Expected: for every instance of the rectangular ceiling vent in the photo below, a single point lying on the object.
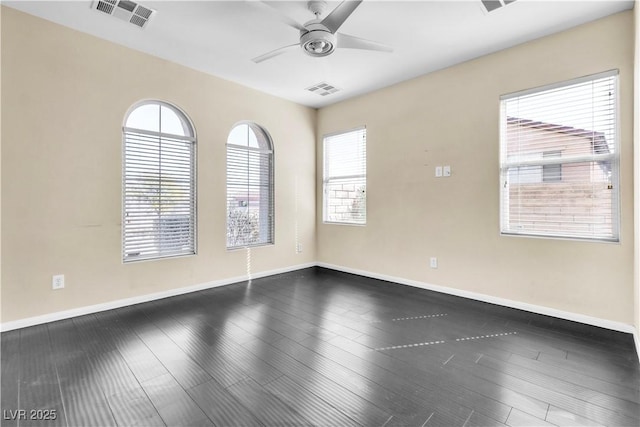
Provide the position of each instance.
(491, 5)
(323, 89)
(125, 10)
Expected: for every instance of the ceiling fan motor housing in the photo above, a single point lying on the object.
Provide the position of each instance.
(317, 40)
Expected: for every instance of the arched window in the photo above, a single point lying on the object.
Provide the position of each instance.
(250, 219)
(159, 183)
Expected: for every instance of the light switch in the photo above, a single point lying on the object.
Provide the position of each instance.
(57, 282)
(447, 171)
(438, 171)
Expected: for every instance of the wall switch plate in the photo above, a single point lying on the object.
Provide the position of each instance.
(57, 282)
(433, 262)
(299, 248)
(438, 171)
(446, 170)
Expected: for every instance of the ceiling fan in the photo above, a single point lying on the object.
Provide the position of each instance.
(320, 37)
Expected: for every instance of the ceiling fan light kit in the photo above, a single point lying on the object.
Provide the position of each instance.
(318, 41)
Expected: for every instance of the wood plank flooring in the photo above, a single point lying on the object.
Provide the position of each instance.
(318, 348)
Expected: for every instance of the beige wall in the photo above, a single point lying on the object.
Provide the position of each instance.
(65, 96)
(450, 117)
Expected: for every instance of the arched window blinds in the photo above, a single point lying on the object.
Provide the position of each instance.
(250, 204)
(159, 183)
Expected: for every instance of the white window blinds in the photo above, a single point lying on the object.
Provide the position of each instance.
(159, 183)
(250, 205)
(345, 177)
(559, 158)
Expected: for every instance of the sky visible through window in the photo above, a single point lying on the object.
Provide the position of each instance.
(157, 118)
(242, 135)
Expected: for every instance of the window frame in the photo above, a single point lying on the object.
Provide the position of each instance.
(326, 180)
(613, 157)
(192, 138)
(271, 205)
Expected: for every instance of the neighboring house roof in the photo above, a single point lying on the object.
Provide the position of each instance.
(597, 139)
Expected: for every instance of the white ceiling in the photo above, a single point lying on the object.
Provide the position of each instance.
(221, 37)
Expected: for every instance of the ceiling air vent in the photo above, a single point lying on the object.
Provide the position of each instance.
(323, 89)
(125, 10)
(491, 5)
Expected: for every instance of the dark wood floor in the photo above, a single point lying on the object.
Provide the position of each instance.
(317, 347)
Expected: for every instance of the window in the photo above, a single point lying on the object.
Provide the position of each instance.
(159, 183)
(345, 177)
(559, 158)
(250, 220)
(552, 172)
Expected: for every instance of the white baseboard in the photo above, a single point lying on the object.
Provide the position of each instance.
(66, 314)
(636, 338)
(581, 318)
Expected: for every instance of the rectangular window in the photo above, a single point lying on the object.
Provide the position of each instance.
(552, 172)
(345, 177)
(559, 158)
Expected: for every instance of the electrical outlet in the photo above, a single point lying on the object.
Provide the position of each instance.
(299, 248)
(57, 281)
(433, 262)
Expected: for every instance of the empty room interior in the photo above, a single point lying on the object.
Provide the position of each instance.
(310, 213)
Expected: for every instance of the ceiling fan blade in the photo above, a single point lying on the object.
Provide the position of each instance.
(273, 53)
(351, 42)
(336, 18)
(266, 7)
